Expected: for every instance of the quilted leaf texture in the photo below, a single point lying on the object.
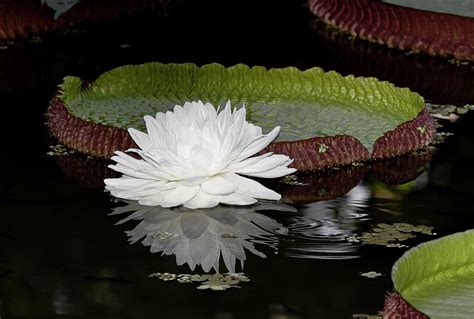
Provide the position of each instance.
(396, 307)
(400, 27)
(326, 119)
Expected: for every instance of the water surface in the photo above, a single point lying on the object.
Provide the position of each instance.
(62, 256)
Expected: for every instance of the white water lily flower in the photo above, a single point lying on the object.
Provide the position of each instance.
(196, 156)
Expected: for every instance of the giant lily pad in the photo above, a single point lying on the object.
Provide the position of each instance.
(437, 277)
(25, 18)
(339, 119)
(402, 27)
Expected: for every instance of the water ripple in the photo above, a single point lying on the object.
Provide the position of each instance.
(321, 229)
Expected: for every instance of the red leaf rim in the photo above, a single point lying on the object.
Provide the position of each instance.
(400, 27)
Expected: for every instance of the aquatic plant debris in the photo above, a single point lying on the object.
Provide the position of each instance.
(371, 274)
(390, 235)
(448, 112)
(292, 180)
(215, 282)
(357, 119)
(60, 150)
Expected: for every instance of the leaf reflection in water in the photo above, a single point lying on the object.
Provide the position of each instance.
(321, 229)
(202, 236)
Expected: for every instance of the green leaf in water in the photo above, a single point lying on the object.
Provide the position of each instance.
(437, 277)
(304, 103)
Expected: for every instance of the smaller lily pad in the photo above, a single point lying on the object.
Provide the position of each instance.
(437, 277)
(391, 235)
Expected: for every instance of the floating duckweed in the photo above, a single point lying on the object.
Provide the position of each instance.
(59, 150)
(421, 129)
(321, 192)
(199, 278)
(219, 282)
(448, 111)
(397, 245)
(322, 148)
(440, 137)
(184, 279)
(240, 276)
(165, 276)
(36, 39)
(371, 274)
(163, 235)
(357, 164)
(227, 235)
(292, 180)
(390, 235)
(353, 239)
(215, 282)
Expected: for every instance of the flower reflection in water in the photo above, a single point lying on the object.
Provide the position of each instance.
(202, 236)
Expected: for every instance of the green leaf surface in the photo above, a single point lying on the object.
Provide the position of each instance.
(304, 103)
(437, 277)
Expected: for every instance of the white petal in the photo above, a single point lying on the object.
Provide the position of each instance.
(246, 162)
(258, 144)
(155, 199)
(142, 139)
(129, 161)
(203, 200)
(224, 116)
(201, 160)
(211, 261)
(158, 173)
(251, 188)
(156, 132)
(136, 193)
(130, 171)
(127, 182)
(218, 186)
(274, 173)
(253, 130)
(238, 199)
(266, 164)
(179, 195)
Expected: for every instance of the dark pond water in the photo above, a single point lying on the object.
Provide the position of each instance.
(62, 256)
